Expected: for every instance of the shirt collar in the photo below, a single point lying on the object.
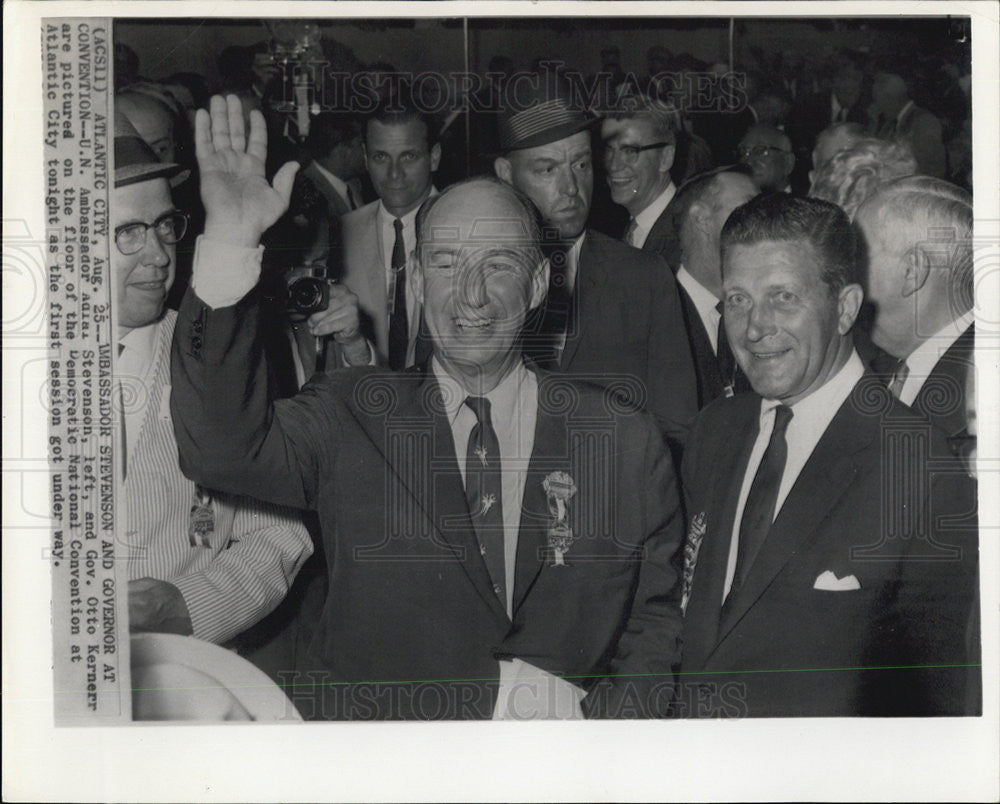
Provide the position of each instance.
(336, 182)
(921, 361)
(645, 219)
(140, 341)
(503, 399)
(704, 300)
(407, 219)
(815, 412)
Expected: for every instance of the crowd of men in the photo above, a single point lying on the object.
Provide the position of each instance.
(487, 460)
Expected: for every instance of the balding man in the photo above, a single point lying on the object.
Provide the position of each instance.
(476, 556)
(920, 273)
(768, 152)
(701, 208)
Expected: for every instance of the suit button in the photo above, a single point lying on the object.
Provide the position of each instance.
(196, 343)
(197, 325)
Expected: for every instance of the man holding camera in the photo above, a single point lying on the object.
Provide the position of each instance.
(501, 541)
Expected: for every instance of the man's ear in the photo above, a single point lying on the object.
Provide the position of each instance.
(848, 306)
(540, 284)
(917, 270)
(667, 158)
(701, 216)
(435, 156)
(501, 166)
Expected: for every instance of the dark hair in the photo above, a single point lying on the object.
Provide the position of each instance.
(328, 130)
(784, 217)
(630, 104)
(397, 110)
(699, 187)
(532, 217)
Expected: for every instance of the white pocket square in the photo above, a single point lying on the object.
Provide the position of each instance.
(828, 582)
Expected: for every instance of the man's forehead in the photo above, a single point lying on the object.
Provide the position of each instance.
(572, 144)
(635, 126)
(140, 198)
(792, 256)
(476, 215)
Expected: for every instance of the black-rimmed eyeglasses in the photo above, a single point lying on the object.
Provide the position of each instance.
(170, 228)
(629, 154)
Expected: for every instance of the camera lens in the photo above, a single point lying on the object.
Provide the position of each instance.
(306, 294)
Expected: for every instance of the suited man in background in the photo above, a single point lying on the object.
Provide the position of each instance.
(920, 273)
(401, 153)
(819, 580)
(894, 116)
(612, 315)
(768, 152)
(701, 207)
(639, 141)
(482, 537)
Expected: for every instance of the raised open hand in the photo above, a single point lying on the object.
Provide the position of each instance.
(239, 203)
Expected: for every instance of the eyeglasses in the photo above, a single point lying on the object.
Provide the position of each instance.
(170, 228)
(630, 153)
(758, 151)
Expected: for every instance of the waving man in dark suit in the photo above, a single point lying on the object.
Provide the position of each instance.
(500, 541)
(832, 554)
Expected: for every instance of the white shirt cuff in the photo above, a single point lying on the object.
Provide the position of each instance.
(223, 273)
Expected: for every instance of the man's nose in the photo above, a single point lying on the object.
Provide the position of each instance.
(395, 169)
(760, 322)
(154, 252)
(471, 290)
(568, 184)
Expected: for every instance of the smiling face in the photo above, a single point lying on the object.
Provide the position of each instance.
(400, 163)
(143, 279)
(478, 276)
(557, 177)
(788, 330)
(636, 186)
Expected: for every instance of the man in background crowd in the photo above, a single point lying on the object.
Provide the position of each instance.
(701, 208)
(402, 153)
(920, 279)
(768, 152)
(612, 314)
(638, 141)
(200, 561)
(894, 116)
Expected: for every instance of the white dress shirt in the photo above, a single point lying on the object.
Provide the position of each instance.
(645, 220)
(704, 302)
(525, 691)
(810, 418)
(922, 360)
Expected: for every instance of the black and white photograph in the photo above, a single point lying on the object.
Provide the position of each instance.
(388, 384)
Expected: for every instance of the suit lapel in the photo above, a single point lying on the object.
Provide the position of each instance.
(434, 482)
(591, 275)
(547, 455)
(823, 480)
(702, 624)
(948, 379)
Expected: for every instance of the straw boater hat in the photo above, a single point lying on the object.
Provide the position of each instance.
(539, 115)
(135, 161)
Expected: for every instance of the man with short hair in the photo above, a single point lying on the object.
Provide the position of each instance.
(638, 153)
(920, 273)
(479, 565)
(830, 141)
(612, 315)
(701, 207)
(896, 117)
(402, 154)
(820, 579)
(768, 152)
(200, 561)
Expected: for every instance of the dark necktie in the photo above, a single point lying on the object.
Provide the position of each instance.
(758, 513)
(630, 231)
(483, 492)
(555, 312)
(725, 358)
(399, 329)
(899, 379)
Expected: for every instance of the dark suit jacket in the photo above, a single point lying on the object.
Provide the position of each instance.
(711, 384)
(942, 397)
(897, 645)
(627, 332)
(411, 627)
(664, 239)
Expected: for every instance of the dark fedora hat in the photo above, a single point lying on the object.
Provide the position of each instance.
(540, 112)
(135, 160)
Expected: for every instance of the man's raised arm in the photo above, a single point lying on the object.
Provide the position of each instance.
(229, 433)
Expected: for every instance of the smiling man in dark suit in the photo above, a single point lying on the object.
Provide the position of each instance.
(501, 542)
(832, 554)
(612, 315)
